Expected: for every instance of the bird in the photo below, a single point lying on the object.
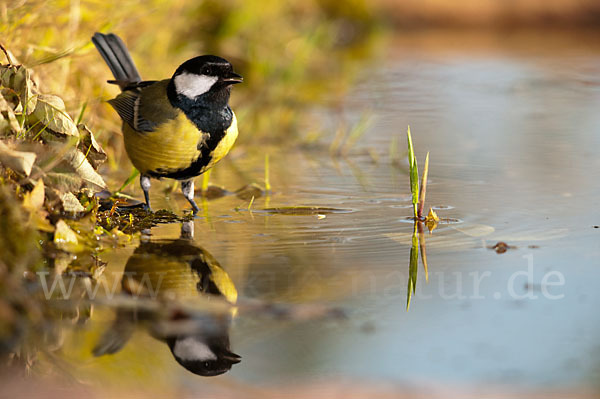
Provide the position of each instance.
(171, 272)
(174, 128)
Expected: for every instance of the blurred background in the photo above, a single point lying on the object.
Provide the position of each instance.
(294, 55)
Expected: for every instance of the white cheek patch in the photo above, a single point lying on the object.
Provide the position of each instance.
(192, 349)
(192, 85)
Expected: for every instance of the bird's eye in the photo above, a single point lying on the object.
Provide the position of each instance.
(206, 71)
(206, 364)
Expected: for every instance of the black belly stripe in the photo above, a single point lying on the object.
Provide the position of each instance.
(195, 169)
(212, 115)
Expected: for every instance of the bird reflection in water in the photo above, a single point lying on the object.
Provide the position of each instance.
(171, 272)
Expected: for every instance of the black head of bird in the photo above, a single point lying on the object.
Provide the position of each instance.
(203, 81)
(173, 128)
(203, 355)
(176, 272)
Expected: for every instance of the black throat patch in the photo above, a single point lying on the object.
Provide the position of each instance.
(212, 115)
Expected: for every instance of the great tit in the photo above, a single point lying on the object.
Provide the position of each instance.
(176, 128)
(171, 271)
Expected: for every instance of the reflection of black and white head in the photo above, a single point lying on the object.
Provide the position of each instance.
(204, 74)
(203, 356)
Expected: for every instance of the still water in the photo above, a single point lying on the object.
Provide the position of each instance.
(512, 127)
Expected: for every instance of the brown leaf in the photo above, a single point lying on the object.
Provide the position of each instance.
(50, 112)
(9, 125)
(62, 183)
(88, 145)
(431, 221)
(70, 203)
(65, 238)
(18, 79)
(249, 191)
(34, 200)
(18, 161)
(85, 170)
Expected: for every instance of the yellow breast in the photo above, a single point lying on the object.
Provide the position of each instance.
(173, 146)
(225, 144)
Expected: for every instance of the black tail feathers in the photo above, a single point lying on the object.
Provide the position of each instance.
(116, 55)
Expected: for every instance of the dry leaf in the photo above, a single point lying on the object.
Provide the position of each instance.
(34, 200)
(85, 170)
(50, 112)
(63, 182)
(41, 223)
(65, 238)
(88, 145)
(70, 203)
(247, 192)
(18, 78)
(61, 263)
(18, 161)
(8, 120)
(431, 220)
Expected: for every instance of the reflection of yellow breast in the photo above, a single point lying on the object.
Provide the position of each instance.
(165, 271)
(149, 275)
(172, 146)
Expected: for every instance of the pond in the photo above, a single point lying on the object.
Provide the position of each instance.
(511, 123)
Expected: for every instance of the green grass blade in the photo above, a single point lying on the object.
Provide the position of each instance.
(414, 173)
(267, 180)
(205, 181)
(80, 116)
(423, 190)
(423, 249)
(413, 267)
(131, 178)
(356, 133)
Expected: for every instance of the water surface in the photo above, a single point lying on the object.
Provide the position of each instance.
(512, 127)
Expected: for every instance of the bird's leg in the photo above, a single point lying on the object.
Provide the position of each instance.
(187, 188)
(187, 230)
(145, 183)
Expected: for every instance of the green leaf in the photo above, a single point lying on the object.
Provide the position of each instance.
(423, 249)
(413, 267)
(205, 180)
(267, 180)
(414, 173)
(423, 190)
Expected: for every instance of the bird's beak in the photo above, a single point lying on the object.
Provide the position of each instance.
(232, 357)
(232, 78)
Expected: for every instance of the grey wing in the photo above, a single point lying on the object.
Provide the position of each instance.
(125, 104)
(144, 106)
(117, 336)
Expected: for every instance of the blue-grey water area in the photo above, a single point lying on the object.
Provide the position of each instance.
(512, 125)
